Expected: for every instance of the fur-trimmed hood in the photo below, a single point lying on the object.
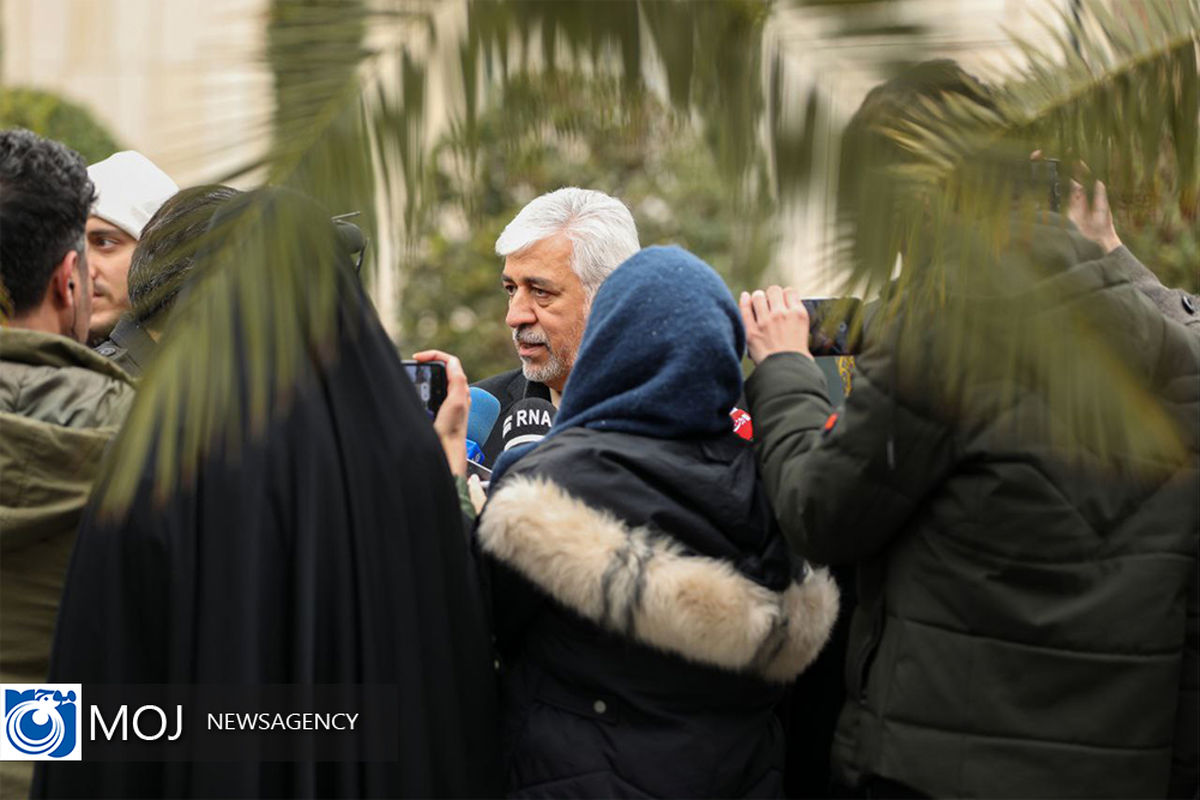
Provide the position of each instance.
(642, 584)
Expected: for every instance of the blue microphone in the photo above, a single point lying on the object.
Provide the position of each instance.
(485, 410)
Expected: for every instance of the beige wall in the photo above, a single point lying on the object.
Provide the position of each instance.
(180, 80)
(183, 81)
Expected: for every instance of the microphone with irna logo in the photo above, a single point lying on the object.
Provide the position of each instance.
(527, 421)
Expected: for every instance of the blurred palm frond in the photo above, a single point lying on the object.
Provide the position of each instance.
(946, 185)
(351, 130)
(353, 127)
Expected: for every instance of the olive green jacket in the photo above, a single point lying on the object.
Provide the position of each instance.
(1023, 626)
(60, 404)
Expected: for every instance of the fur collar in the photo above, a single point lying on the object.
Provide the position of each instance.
(640, 584)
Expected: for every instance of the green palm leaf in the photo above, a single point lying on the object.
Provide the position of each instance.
(351, 130)
(947, 186)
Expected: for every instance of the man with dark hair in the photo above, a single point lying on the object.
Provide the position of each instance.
(43, 265)
(160, 266)
(60, 403)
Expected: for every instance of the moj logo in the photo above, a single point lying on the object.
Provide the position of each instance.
(41, 722)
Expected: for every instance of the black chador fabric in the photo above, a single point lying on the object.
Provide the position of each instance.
(329, 550)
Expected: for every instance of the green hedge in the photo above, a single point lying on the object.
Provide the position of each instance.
(49, 115)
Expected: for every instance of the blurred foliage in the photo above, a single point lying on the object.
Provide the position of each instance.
(49, 115)
(315, 48)
(1120, 95)
(711, 53)
(1155, 229)
(352, 126)
(256, 329)
(942, 178)
(1166, 243)
(566, 129)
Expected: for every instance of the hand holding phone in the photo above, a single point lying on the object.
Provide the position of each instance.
(1046, 183)
(429, 379)
(778, 320)
(451, 400)
(834, 325)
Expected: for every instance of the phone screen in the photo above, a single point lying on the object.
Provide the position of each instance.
(429, 379)
(834, 327)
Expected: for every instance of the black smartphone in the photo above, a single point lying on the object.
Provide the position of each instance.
(834, 325)
(1044, 177)
(429, 379)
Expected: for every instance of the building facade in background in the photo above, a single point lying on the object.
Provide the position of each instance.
(182, 81)
(187, 83)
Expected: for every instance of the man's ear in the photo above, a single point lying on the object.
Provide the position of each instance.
(64, 280)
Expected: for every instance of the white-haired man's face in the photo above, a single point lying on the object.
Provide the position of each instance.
(547, 309)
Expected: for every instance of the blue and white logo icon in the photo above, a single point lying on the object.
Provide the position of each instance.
(41, 722)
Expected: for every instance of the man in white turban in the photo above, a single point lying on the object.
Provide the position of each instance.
(129, 188)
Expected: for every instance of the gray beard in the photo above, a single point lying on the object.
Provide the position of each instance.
(553, 369)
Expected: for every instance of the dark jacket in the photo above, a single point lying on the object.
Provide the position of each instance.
(648, 619)
(1175, 304)
(646, 606)
(1022, 617)
(129, 347)
(508, 388)
(60, 404)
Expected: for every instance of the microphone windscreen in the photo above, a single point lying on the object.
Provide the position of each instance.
(485, 408)
(527, 421)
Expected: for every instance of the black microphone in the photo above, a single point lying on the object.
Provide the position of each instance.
(527, 421)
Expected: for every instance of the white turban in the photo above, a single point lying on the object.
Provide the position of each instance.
(129, 190)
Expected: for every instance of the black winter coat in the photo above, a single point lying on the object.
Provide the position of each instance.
(1023, 626)
(648, 616)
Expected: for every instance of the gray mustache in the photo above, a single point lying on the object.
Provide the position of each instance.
(529, 337)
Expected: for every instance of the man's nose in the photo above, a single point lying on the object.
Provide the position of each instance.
(520, 312)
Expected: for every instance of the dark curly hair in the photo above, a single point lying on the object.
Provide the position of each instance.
(162, 262)
(45, 197)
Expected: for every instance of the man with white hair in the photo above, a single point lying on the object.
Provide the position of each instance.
(129, 189)
(557, 251)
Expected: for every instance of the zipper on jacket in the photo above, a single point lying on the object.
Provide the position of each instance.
(865, 654)
(866, 657)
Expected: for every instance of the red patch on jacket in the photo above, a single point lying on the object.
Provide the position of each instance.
(743, 426)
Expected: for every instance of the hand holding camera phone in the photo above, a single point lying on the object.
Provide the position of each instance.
(834, 325)
(429, 379)
(1045, 182)
(441, 384)
(774, 324)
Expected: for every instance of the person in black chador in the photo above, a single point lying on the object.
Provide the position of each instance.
(322, 546)
(647, 611)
